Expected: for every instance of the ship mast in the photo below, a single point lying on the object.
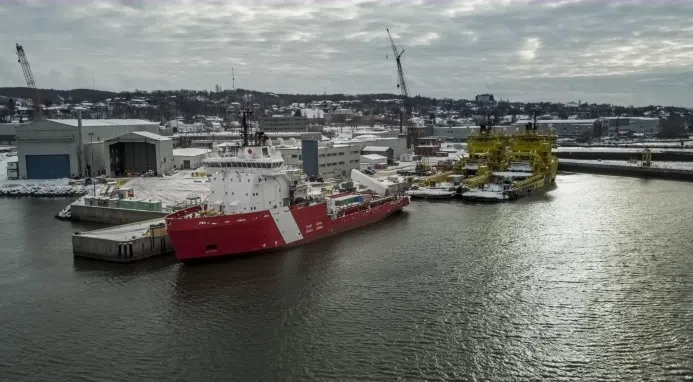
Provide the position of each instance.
(244, 124)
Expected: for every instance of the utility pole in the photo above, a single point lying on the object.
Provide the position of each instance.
(91, 164)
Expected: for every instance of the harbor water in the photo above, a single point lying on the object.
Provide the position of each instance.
(590, 281)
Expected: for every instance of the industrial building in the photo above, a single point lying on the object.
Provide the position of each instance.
(397, 144)
(454, 133)
(427, 146)
(284, 123)
(564, 128)
(189, 158)
(207, 140)
(634, 125)
(485, 98)
(56, 148)
(567, 128)
(130, 154)
(373, 161)
(384, 151)
(8, 133)
(330, 159)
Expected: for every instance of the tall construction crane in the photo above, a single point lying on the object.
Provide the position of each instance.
(29, 77)
(405, 112)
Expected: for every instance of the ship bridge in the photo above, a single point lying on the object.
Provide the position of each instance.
(263, 157)
(253, 180)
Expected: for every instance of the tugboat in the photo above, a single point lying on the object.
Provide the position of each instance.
(257, 205)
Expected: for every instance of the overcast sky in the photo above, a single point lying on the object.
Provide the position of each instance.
(595, 51)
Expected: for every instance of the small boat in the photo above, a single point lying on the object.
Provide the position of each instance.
(499, 189)
(437, 192)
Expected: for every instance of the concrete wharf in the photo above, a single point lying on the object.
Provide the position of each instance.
(125, 243)
(627, 169)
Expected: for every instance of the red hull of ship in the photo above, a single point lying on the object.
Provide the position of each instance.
(242, 234)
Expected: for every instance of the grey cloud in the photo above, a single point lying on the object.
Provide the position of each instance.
(629, 52)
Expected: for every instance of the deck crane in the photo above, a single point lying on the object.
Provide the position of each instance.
(29, 77)
(405, 113)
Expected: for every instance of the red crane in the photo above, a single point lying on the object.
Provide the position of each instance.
(29, 77)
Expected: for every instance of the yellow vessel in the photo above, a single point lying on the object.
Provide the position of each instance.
(515, 165)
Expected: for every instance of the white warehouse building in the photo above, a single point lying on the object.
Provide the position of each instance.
(62, 148)
(190, 158)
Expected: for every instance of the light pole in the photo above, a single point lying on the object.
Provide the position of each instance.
(91, 167)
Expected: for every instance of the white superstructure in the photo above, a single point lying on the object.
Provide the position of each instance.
(253, 180)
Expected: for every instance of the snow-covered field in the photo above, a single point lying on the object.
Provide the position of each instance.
(170, 190)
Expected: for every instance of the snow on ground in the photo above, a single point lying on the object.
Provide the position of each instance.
(34, 187)
(170, 190)
(673, 165)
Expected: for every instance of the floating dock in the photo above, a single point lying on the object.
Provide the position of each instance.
(124, 244)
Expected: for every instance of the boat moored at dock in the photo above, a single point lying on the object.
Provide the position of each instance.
(257, 205)
(527, 165)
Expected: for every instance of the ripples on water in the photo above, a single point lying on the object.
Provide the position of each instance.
(591, 281)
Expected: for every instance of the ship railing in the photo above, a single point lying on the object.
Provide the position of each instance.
(529, 181)
(477, 181)
(185, 212)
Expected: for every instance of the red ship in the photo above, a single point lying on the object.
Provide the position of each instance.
(256, 205)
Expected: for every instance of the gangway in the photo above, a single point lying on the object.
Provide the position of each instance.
(370, 183)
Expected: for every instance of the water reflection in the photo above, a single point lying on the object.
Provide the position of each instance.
(590, 281)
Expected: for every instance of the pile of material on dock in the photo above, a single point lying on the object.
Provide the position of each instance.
(47, 190)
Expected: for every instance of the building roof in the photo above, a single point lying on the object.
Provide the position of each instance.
(143, 134)
(547, 121)
(381, 149)
(190, 152)
(147, 134)
(457, 127)
(374, 157)
(104, 122)
(633, 118)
